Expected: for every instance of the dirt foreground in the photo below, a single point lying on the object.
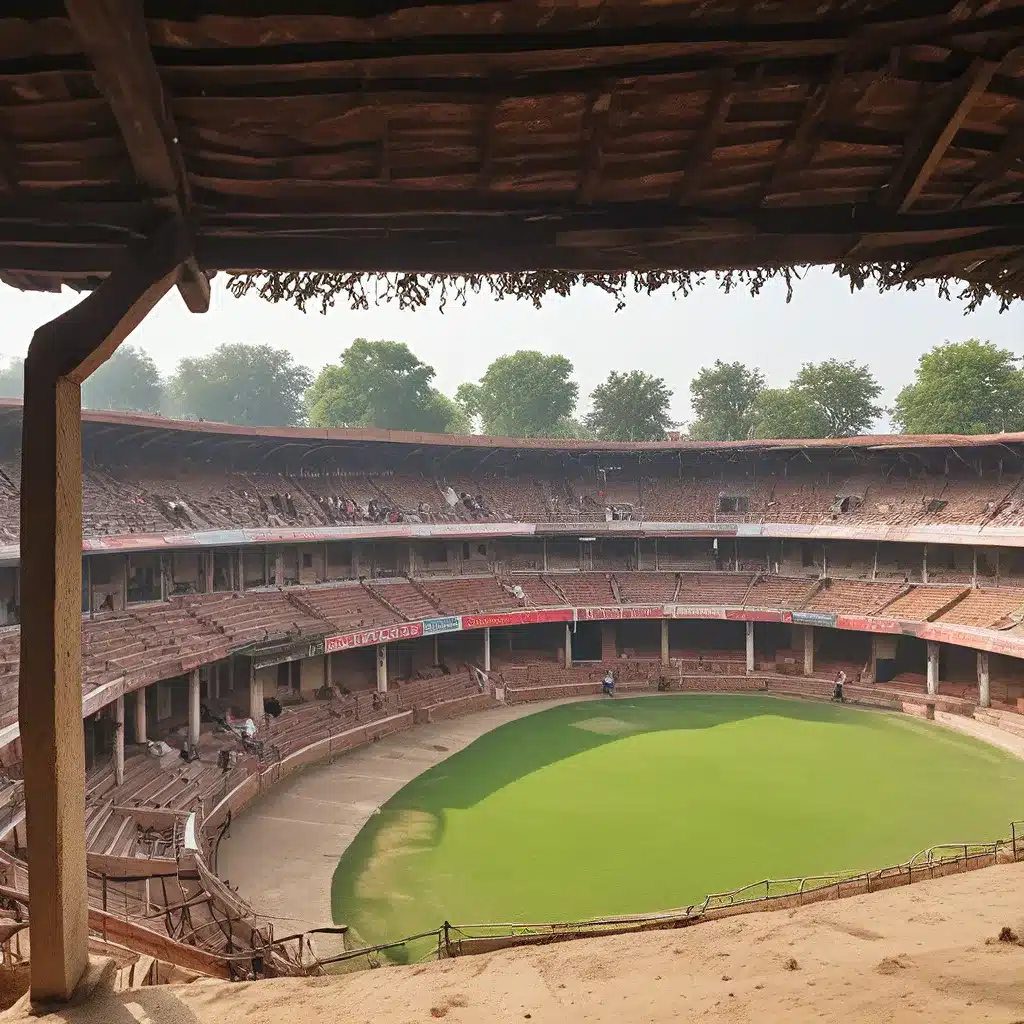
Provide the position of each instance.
(928, 952)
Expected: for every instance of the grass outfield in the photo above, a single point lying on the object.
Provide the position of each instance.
(631, 805)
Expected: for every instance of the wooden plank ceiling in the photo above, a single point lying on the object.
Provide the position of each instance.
(473, 137)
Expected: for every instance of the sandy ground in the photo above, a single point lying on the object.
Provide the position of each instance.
(282, 851)
(926, 952)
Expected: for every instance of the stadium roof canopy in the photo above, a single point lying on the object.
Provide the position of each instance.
(544, 142)
(472, 137)
(129, 431)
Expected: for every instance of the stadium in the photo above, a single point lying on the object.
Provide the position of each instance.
(450, 611)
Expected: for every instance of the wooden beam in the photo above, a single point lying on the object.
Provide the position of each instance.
(62, 354)
(114, 37)
(798, 150)
(596, 118)
(927, 145)
(991, 169)
(488, 131)
(699, 153)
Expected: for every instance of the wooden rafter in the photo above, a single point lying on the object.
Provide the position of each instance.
(596, 118)
(798, 150)
(113, 35)
(928, 143)
(991, 169)
(699, 153)
(488, 131)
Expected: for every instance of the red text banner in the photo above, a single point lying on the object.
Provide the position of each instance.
(524, 618)
(758, 615)
(690, 611)
(368, 637)
(643, 612)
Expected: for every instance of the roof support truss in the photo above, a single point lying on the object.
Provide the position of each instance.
(113, 36)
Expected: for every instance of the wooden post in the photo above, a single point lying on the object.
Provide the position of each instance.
(119, 741)
(140, 715)
(193, 709)
(63, 353)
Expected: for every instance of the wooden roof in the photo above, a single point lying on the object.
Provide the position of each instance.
(487, 137)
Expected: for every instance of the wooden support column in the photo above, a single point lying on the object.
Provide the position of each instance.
(193, 709)
(255, 695)
(140, 715)
(62, 354)
(932, 679)
(984, 688)
(808, 650)
(119, 741)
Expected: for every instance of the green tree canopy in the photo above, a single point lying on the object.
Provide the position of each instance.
(722, 397)
(630, 406)
(967, 387)
(12, 378)
(128, 380)
(382, 384)
(525, 394)
(254, 385)
(786, 413)
(844, 393)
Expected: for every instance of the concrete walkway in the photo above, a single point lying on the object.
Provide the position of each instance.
(281, 852)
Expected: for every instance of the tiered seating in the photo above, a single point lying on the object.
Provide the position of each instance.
(985, 607)
(517, 498)
(778, 592)
(715, 589)
(153, 643)
(469, 596)
(852, 597)
(921, 603)
(409, 601)
(585, 588)
(246, 618)
(348, 606)
(538, 589)
(647, 587)
(421, 693)
(111, 507)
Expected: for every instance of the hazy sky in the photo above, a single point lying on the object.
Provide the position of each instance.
(669, 337)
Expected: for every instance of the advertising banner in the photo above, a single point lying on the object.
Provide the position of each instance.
(827, 619)
(368, 637)
(639, 612)
(758, 615)
(691, 611)
(523, 618)
(449, 624)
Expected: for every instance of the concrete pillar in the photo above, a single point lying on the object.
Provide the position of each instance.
(382, 668)
(750, 647)
(255, 695)
(279, 569)
(873, 677)
(119, 741)
(544, 550)
(163, 578)
(933, 667)
(664, 642)
(328, 672)
(924, 564)
(240, 582)
(568, 645)
(140, 715)
(487, 648)
(984, 692)
(808, 650)
(208, 569)
(193, 709)
(974, 567)
(437, 649)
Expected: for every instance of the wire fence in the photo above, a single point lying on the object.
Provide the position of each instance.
(934, 862)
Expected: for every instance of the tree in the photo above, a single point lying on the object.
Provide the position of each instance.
(844, 393)
(525, 394)
(382, 384)
(630, 407)
(254, 385)
(967, 387)
(787, 413)
(128, 380)
(12, 379)
(722, 397)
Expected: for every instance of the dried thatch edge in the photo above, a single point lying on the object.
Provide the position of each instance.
(413, 291)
